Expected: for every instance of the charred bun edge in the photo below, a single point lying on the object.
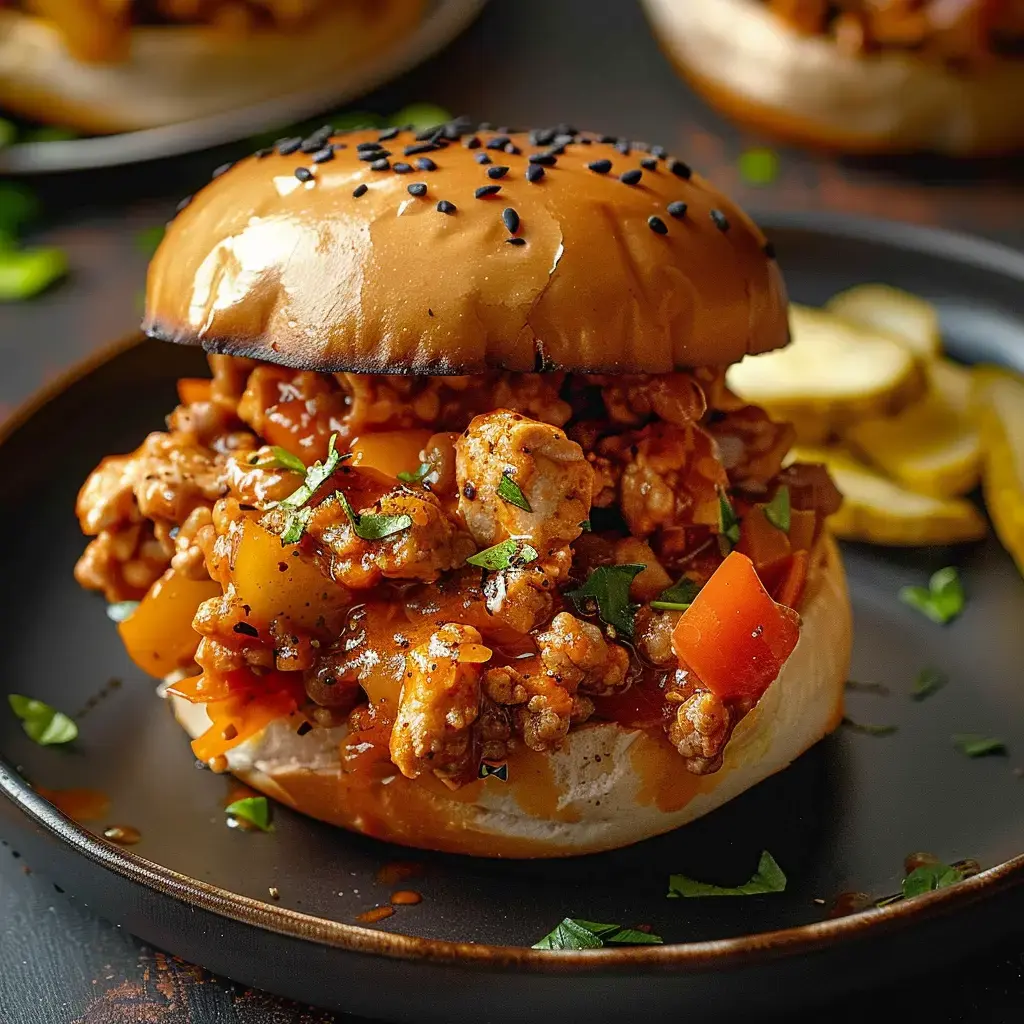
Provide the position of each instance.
(612, 785)
(552, 249)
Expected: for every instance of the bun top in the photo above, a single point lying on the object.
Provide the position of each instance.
(459, 250)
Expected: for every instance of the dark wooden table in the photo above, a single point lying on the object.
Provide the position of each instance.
(525, 62)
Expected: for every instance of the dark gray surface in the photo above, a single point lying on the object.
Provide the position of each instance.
(524, 63)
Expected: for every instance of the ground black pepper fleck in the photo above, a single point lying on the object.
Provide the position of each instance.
(534, 172)
(677, 209)
(360, 190)
(487, 190)
(657, 225)
(303, 174)
(631, 177)
(600, 166)
(510, 219)
(721, 221)
(245, 629)
(497, 171)
(417, 188)
(304, 728)
(445, 207)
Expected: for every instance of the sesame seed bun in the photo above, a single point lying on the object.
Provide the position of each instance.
(362, 268)
(760, 71)
(608, 785)
(175, 73)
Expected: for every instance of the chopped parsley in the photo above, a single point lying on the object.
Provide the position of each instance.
(511, 553)
(930, 877)
(121, 610)
(869, 729)
(572, 934)
(414, 476)
(373, 525)
(942, 600)
(777, 511)
(296, 513)
(759, 166)
(728, 523)
(974, 745)
(607, 591)
(679, 596)
(510, 491)
(586, 527)
(42, 724)
(254, 810)
(768, 877)
(928, 681)
(279, 458)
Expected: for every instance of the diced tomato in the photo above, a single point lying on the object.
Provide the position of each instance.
(794, 582)
(764, 544)
(734, 636)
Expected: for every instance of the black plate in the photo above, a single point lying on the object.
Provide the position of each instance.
(843, 817)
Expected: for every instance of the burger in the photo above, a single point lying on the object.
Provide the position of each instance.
(465, 544)
(858, 76)
(138, 64)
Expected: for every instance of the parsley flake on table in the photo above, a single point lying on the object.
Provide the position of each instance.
(509, 554)
(510, 491)
(928, 681)
(769, 877)
(974, 745)
(573, 934)
(42, 724)
(606, 591)
(254, 810)
(942, 600)
(869, 728)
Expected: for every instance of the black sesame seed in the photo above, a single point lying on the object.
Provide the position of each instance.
(421, 147)
(312, 143)
(380, 165)
(609, 139)
(245, 629)
(622, 146)
(369, 155)
(426, 164)
(482, 158)
(657, 225)
(542, 136)
(223, 169)
(721, 221)
(534, 172)
(339, 145)
(417, 188)
(303, 174)
(659, 151)
(445, 207)
(288, 146)
(649, 163)
(584, 141)
(487, 190)
(401, 168)
(516, 241)
(498, 171)
(388, 134)
(498, 142)
(323, 155)
(600, 166)
(471, 142)
(360, 190)
(181, 206)
(564, 139)
(556, 150)
(546, 159)
(371, 144)
(564, 128)
(680, 170)
(433, 133)
(769, 250)
(512, 149)
(304, 728)
(510, 219)
(631, 177)
(265, 152)
(677, 209)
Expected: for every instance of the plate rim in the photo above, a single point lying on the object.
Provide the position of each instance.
(687, 956)
(438, 28)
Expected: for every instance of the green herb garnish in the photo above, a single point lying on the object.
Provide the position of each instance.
(679, 596)
(148, 239)
(869, 729)
(928, 681)
(18, 206)
(252, 809)
(510, 491)
(420, 116)
(42, 724)
(296, 516)
(50, 133)
(728, 523)
(509, 553)
(279, 458)
(586, 527)
(973, 745)
(607, 591)
(769, 877)
(24, 273)
(930, 877)
(120, 610)
(759, 166)
(415, 476)
(777, 511)
(373, 525)
(8, 132)
(295, 523)
(942, 600)
(571, 934)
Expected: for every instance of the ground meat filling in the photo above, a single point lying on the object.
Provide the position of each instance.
(957, 32)
(424, 600)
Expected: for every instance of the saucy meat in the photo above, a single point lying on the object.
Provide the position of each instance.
(405, 553)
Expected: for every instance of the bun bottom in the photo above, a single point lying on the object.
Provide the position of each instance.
(607, 787)
(180, 72)
(758, 71)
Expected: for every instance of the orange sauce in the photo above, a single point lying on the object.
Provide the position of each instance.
(78, 804)
(123, 835)
(375, 915)
(406, 898)
(398, 871)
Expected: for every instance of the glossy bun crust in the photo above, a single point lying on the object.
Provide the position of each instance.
(309, 274)
(606, 787)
